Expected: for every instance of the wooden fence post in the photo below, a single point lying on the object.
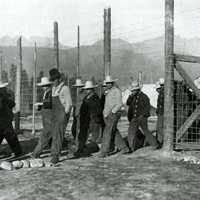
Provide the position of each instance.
(34, 89)
(169, 76)
(18, 88)
(56, 44)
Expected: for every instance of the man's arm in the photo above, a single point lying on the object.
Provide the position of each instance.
(67, 99)
(118, 98)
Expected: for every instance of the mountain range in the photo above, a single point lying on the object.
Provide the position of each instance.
(127, 58)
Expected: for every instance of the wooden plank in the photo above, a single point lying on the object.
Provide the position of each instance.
(186, 58)
(187, 79)
(182, 130)
(78, 53)
(169, 76)
(188, 146)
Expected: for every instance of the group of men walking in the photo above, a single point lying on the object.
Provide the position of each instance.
(94, 117)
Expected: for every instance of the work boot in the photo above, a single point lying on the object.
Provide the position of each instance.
(103, 155)
(55, 160)
(125, 150)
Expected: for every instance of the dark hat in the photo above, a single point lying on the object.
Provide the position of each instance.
(54, 74)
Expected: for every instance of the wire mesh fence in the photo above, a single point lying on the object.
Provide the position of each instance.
(185, 102)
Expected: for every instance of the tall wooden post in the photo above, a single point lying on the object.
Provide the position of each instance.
(18, 88)
(56, 44)
(78, 54)
(1, 67)
(104, 41)
(169, 76)
(34, 88)
(109, 41)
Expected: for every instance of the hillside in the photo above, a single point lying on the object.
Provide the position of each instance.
(126, 62)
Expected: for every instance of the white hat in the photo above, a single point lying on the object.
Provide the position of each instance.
(78, 83)
(197, 83)
(3, 85)
(109, 79)
(157, 85)
(161, 81)
(135, 86)
(89, 85)
(44, 81)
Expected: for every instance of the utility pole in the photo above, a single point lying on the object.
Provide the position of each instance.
(78, 54)
(104, 41)
(56, 45)
(109, 41)
(169, 76)
(1, 67)
(18, 87)
(34, 88)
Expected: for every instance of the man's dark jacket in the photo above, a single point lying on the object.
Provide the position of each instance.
(6, 105)
(91, 109)
(139, 105)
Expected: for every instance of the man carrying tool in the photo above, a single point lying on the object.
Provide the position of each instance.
(46, 109)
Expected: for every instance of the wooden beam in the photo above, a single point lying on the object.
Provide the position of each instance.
(169, 76)
(187, 79)
(186, 58)
(78, 53)
(182, 130)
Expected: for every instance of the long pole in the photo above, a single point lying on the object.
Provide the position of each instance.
(1, 67)
(78, 53)
(109, 41)
(34, 88)
(169, 76)
(56, 44)
(104, 42)
(18, 87)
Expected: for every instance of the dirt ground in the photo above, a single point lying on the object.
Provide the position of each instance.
(145, 175)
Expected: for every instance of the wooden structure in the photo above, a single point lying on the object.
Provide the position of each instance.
(56, 45)
(34, 88)
(107, 41)
(172, 61)
(18, 87)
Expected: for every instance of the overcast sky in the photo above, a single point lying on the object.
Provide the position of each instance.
(132, 20)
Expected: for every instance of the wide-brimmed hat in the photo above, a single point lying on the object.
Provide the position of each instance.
(78, 83)
(157, 85)
(54, 74)
(161, 81)
(197, 82)
(89, 85)
(44, 82)
(109, 79)
(135, 86)
(3, 84)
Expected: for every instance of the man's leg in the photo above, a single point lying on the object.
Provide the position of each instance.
(105, 148)
(132, 131)
(160, 128)
(149, 137)
(95, 129)
(12, 140)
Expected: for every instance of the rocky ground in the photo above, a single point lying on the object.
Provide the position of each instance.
(145, 175)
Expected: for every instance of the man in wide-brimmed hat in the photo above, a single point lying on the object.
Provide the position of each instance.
(160, 109)
(6, 118)
(138, 113)
(112, 114)
(61, 108)
(76, 108)
(91, 117)
(46, 108)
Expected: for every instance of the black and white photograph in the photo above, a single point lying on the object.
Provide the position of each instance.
(100, 100)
